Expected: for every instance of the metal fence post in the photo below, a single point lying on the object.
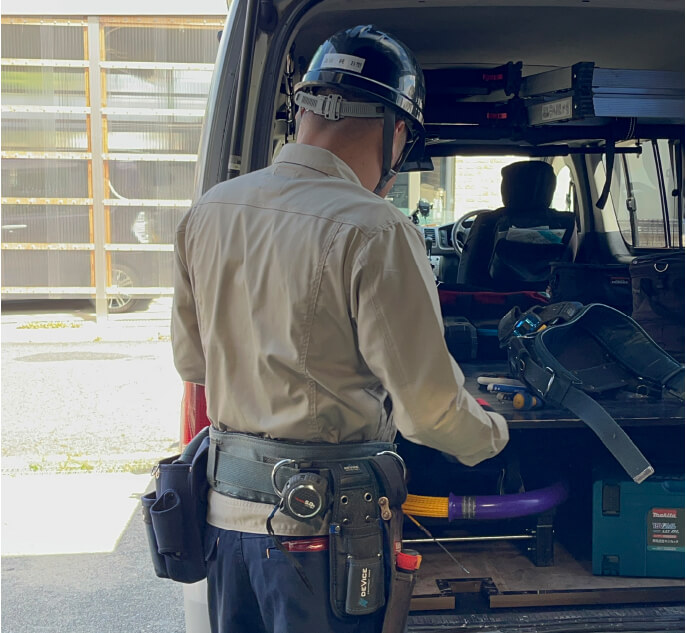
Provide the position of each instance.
(97, 173)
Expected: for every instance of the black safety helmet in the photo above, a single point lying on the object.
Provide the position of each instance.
(366, 61)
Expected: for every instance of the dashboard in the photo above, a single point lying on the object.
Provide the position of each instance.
(441, 239)
(443, 257)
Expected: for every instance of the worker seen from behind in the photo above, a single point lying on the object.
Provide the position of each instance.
(305, 304)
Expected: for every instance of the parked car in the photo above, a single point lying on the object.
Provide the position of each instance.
(45, 268)
(596, 91)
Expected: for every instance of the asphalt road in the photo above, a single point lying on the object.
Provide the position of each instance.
(86, 408)
(113, 592)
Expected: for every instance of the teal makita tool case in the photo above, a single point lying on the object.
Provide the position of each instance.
(638, 529)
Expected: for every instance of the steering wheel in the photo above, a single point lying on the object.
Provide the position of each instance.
(461, 229)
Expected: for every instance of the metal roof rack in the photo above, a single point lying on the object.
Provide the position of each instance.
(583, 90)
(501, 97)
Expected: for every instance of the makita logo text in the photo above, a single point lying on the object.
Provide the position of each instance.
(351, 467)
(660, 513)
(364, 582)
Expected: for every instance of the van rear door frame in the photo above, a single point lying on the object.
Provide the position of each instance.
(236, 142)
(213, 150)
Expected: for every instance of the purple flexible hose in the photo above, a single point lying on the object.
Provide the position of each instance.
(506, 506)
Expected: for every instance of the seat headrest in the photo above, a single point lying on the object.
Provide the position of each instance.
(528, 184)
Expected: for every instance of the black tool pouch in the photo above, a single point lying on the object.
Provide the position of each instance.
(363, 492)
(392, 478)
(609, 284)
(175, 513)
(356, 541)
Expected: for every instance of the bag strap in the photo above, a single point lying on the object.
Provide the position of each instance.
(560, 389)
(609, 433)
(193, 446)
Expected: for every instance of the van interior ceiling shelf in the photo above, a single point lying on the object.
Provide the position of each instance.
(499, 106)
(486, 108)
(582, 92)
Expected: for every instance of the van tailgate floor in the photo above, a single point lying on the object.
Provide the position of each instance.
(496, 588)
(643, 619)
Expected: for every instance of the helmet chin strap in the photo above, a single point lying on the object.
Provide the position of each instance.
(333, 107)
(387, 170)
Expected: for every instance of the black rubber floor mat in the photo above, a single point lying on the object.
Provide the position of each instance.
(648, 619)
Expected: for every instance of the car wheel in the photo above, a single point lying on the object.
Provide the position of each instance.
(123, 278)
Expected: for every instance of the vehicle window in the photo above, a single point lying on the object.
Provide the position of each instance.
(436, 187)
(642, 192)
(672, 189)
(564, 198)
(462, 184)
(457, 186)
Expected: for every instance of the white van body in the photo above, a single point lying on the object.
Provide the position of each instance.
(627, 147)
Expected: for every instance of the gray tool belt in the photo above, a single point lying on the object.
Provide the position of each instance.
(360, 487)
(240, 465)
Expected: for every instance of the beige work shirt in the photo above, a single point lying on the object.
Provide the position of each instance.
(306, 305)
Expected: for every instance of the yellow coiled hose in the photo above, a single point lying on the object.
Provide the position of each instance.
(422, 506)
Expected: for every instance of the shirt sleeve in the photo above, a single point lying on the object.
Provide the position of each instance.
(189, 358)
(395, 306)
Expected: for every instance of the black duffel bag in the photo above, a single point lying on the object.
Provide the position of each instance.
(657, 284)
(175, 513)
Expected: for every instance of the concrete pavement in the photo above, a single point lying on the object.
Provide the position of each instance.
(44, 514)
(85, 511)
(74, 554)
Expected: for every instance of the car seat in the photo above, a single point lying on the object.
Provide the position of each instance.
(511, 248)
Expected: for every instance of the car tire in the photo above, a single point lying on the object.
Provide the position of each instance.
(123, 277)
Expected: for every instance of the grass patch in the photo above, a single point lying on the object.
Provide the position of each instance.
(48, 325)
(73, 464)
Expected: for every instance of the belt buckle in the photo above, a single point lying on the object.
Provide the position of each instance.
(527, 324)
(278, 465)
(400, 459)
(331, 107)
(550, 382)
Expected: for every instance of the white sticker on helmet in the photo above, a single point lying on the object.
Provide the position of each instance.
(343, 62)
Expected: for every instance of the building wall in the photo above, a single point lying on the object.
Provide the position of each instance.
(121, 7)
(101, 120)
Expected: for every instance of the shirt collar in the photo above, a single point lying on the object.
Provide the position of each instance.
(316, 158)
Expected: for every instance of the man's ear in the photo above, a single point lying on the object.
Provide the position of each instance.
(400, 134)
(401, 126)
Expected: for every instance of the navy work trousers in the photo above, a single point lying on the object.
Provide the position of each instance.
(254, 588)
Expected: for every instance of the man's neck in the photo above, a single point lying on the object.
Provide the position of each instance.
(361, 152)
